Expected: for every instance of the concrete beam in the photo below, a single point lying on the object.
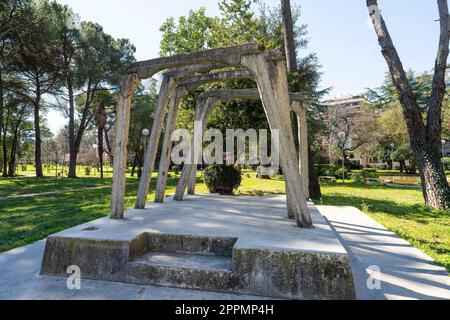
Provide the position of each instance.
(230, 56)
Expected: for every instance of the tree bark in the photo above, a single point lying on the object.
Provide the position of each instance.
(109, 147)
(291, 59)
(314, 185)
(1, 106)
(425, 139)
(5, 151)
(12, 157)
(289, 43)
(72, 151)
(100, 150)
(38, 140)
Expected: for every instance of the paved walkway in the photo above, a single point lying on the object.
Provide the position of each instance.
(406, 273)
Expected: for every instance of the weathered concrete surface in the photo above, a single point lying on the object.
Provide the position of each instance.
(20, 280)
(406, 272)
(270, 258)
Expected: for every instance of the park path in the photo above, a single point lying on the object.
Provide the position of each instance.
(405, 272)
(51, 193)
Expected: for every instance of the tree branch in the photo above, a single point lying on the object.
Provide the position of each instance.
(413, 115)
(434, 119)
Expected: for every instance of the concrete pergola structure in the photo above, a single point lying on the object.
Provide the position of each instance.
(210, 100)
(269, 71)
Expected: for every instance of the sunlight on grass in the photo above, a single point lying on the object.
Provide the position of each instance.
(26, 220)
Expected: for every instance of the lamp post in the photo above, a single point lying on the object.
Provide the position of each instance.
(342, 135)
(145, 134)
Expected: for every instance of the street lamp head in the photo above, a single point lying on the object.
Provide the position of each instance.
(443, 141)
(145, 132)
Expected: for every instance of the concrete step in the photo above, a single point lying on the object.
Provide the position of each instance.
(181, 270)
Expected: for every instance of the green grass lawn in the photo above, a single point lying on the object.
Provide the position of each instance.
(25, 220)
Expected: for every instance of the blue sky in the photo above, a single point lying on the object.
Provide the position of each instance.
(339, 33)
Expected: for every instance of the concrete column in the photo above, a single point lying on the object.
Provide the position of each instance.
(273, 87)
(128, 85)
(188, 179)
(166, 152)
(168, 87)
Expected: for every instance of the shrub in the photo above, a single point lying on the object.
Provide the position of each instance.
(326, 170)
(370, 173)
(222, 179)
(339, 173)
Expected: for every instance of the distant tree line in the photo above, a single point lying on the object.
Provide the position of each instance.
(51, 59)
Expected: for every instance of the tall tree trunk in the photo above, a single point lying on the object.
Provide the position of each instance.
(100, 150)
(12, 157)
(72, 150)
(314, 185)
(5, 154)
(108, 147)
(1, 106)
(425, 139)
(291, 59)
(38, 140)
(135, 164)
(289, 38)
(402, 166)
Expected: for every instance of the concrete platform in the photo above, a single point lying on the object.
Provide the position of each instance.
(20, 280)
(406, 273)
(269, 256)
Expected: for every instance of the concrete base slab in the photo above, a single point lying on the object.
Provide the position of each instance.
(270, 256)
(407, 273)
(20, 280)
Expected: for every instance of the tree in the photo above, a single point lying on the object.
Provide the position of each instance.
(237, 24)
(35, 64)
(100, 61)
(104, 99)
(292, 64)
(142, 113)
(11, 21)
(425, 137)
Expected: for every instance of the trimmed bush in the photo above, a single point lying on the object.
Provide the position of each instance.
(222, 179)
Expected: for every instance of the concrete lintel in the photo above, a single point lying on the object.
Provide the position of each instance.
(242, 94)
(228, 56)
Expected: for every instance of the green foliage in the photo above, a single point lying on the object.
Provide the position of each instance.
(223, 179)
(370, 173)
(326, 170)
(189, 34)
(238, 23)
(339, 173)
